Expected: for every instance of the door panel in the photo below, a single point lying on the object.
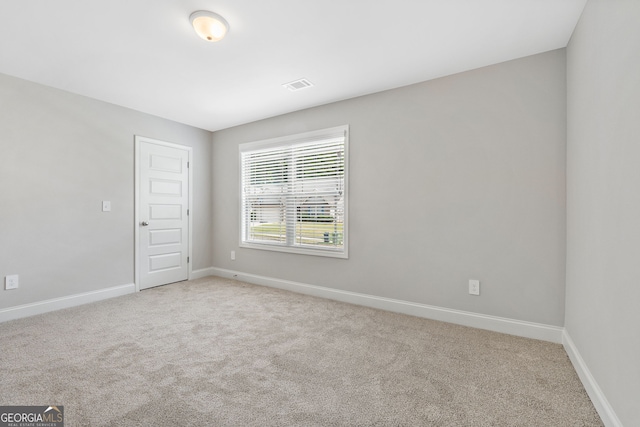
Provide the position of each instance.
(163, 238)
(164, 262)
(165, 212)
(165, 188)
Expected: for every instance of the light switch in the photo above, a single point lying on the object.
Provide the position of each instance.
(106, 206)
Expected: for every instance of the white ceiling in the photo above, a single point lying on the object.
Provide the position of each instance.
(143, 54)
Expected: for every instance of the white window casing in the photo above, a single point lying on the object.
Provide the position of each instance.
(294, 193)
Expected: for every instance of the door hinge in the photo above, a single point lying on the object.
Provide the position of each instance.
(187, 260)
(187, 212)
(187, 165)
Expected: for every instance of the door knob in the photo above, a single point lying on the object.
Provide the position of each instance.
(144, 223)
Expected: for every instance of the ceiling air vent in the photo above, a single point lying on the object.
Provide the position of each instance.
(298, 84)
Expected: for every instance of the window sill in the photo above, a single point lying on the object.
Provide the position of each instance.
(343, 254)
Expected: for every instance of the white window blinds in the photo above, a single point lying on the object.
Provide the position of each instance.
(294, 193)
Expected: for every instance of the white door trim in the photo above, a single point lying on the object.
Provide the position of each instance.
(136, 264)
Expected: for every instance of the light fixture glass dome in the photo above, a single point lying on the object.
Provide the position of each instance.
(209, 26)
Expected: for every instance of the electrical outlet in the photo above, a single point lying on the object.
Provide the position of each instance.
(106, 206)
(474, 287)
(11, 282)
(233, 255)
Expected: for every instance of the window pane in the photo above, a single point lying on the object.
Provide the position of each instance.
(293, 193)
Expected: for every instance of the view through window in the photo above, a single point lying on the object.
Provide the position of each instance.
(294, 195)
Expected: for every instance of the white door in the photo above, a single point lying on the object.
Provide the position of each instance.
(162, 212)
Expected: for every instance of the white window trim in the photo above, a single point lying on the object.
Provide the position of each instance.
(293, 139)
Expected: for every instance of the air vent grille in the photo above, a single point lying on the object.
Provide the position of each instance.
(298, 84)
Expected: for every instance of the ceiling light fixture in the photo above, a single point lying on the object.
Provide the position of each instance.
(208, 25)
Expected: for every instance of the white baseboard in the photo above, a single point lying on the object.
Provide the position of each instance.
(465, 318)
(46, 306)
(606, 412)
(199, 274)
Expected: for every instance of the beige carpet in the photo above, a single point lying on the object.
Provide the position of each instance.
(216, 352)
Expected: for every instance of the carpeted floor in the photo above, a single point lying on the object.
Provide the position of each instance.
(216, 352)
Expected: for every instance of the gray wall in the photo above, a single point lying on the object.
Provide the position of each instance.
(61, 155)
(453, 179)
(603, 199)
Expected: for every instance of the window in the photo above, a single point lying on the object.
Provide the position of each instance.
(294, 193)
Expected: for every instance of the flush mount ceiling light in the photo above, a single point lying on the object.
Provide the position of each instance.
(208, 25)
